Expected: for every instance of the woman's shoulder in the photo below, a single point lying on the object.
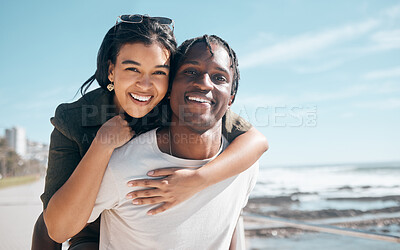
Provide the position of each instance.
(86, 111)
(95, 97)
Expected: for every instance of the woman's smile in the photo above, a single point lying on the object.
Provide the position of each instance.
(140, 99)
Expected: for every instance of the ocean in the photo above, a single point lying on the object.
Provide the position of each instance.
(359, 196)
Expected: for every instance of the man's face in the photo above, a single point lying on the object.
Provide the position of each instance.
(201, 91)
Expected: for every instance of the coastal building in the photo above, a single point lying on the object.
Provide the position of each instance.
(16, 140)
(37, 151)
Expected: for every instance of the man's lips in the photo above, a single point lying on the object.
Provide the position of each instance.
(200, 99)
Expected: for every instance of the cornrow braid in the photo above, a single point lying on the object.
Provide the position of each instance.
(184, 48)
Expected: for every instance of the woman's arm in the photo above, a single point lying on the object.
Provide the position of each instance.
(181, 184)
(241, 154)
(70, 207)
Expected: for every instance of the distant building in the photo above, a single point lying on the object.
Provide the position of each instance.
(16, 139)
(37, 151)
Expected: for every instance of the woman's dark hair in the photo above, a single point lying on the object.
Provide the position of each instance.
(149, 31)
(183, 49)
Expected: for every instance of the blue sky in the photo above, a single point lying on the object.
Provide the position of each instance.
(320, 79)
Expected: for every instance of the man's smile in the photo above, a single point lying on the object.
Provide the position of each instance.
(198, 99)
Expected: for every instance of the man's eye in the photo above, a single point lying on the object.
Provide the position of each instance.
(220, 78)
(190, 72)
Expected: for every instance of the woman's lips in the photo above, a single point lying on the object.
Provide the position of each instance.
(140, 99)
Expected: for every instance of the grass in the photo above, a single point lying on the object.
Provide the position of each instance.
(15, 181)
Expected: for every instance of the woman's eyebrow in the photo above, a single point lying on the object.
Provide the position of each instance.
(163, 66)
(131, 62)
(138, 64)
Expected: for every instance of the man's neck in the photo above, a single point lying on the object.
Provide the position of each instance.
(181, 141)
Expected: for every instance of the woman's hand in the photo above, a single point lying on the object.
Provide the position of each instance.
(178, 185)
(114, 133)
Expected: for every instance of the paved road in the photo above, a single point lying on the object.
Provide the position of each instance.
(19, 209)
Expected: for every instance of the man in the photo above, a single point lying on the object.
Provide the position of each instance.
(204, 87)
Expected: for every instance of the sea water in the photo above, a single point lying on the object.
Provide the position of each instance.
(316, 187)
(324, 187)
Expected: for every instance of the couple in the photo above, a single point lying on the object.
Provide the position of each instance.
(92, 158)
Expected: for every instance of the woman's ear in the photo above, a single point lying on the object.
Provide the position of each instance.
(231, 101)
(111, 68)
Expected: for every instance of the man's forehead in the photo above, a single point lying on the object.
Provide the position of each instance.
(199, 53)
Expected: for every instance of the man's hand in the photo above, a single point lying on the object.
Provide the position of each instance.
(177, 185)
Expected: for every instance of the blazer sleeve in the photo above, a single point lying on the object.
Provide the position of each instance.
(63, 158)
(233, 125)
(64, 155)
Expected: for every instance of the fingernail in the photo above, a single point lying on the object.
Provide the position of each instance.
(130, 184)
(135, 202)
(150, 213)
(150, 173)
(128, 196)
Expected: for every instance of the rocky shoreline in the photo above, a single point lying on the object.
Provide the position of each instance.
(371, 220)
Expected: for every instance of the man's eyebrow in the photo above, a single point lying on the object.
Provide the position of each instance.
(197, 63)
(223, 70)
(138, 64)
(191, 62)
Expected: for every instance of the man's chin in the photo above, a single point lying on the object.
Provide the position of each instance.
(200, 124)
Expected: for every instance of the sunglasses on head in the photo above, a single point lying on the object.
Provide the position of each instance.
(139, 18)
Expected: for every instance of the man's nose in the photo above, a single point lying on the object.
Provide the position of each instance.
(204, 82)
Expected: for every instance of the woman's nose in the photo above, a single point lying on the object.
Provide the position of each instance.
(144, 82)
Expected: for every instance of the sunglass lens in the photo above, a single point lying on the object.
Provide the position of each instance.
(132, 18)
(163, 20)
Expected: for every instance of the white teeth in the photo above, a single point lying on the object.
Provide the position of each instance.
(140, 98)
(197, 99)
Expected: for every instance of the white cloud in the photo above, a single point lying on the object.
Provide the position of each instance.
(347, 115)
(304, 45)
(384, 40)
(310, 45)
(318, 68)
(392, 12)
(391, 103)
(260, 100)
(385, 73)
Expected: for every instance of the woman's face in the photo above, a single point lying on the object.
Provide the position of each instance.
(140, 77)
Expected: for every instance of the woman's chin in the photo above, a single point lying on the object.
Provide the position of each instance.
(137, 113)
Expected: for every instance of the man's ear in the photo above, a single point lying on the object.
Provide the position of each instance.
(111, 68)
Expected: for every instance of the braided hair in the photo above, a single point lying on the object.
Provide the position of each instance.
(185, 47)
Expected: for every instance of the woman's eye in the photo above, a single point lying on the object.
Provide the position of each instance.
(160, 73)
(132, 69)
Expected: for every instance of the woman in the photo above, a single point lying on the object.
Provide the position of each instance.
(132, 71)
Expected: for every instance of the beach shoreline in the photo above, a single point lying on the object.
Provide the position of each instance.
(384, 220)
